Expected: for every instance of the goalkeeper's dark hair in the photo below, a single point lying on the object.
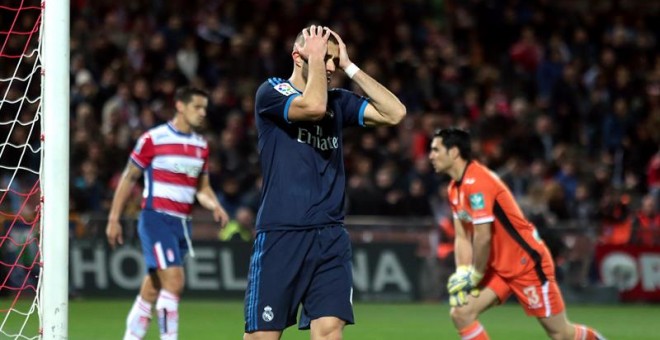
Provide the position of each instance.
(184, 94)
(456, 137)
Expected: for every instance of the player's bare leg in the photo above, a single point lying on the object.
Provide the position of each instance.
(327, 328)
(139, 318)
(150, 288)
(167, 305)
(172, 279)
(263, 335)
(559, 328)
(465, 317)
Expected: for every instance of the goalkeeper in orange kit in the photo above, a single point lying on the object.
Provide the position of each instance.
(497, 251)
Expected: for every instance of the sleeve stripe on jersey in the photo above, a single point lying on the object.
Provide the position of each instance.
(361, 113)
(273, 81)
(508, 226)
(136, 162)
(286, 107)
(483, 220)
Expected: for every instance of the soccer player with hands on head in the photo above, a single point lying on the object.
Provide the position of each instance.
(497, 251)
(174, 160)
(302, 252)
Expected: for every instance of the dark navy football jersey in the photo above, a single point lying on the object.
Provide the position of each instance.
(302, 162)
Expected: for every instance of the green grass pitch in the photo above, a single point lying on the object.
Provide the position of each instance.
(92, 319)
(200, 320)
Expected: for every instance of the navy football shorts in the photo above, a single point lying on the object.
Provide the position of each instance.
(165, 239)
(288, 268)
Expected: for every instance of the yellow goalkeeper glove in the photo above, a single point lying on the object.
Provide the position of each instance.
(461, 297)
(465, 278)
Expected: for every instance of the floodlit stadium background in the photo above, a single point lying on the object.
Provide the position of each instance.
(562, 99)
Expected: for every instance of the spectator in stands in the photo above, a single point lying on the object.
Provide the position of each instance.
(616, 220)
(239, 228)
(646, 224)
(653, 178)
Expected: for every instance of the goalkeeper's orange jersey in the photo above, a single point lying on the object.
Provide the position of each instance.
(480, 197)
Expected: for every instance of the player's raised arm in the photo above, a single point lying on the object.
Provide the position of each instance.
(309, 57)
(384, 107)
(209, 200)
(128, 178)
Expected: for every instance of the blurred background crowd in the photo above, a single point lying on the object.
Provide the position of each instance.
(562, 98)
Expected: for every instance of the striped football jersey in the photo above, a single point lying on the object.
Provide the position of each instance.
(172, 162)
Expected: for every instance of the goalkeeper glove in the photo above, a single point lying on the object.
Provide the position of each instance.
(464, 279)
(460, 298)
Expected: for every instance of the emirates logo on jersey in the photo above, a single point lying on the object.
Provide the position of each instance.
(317, 139)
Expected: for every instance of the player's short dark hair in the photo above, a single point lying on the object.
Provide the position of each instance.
(456, 137)
(184, 94)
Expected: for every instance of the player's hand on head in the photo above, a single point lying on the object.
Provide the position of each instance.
(316, 42)
(114, 233)
(344, 60)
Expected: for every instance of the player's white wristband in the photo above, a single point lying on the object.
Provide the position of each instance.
(351, 70)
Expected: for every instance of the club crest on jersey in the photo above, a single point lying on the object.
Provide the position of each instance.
(285, 89)
(268, 314)
(477, 201)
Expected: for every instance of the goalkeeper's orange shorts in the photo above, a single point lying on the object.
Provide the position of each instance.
(539, 299)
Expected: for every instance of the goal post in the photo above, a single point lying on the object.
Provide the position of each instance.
(34, 169)
(54, 286)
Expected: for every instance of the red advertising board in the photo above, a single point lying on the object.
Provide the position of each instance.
(634, 270)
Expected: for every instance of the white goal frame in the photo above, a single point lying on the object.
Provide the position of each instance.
(54, 283)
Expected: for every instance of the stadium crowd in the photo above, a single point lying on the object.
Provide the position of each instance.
(562, 98)
(564, 102)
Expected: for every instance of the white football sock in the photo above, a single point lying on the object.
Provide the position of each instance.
(137, 322)
(167, 307)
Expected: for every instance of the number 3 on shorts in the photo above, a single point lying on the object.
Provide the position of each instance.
(532, 296)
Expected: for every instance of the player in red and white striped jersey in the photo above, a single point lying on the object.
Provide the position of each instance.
(174, 161)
